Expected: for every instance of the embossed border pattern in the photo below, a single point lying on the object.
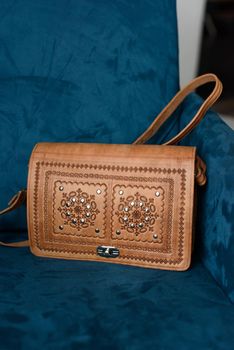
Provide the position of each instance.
(141, 179)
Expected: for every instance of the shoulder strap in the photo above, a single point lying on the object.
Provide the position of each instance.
(20, 197)
(176, 101)
(173, 105)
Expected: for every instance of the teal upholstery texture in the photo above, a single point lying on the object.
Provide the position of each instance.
(99, 71)
(57, 304)
(79, 72)
(215, 224)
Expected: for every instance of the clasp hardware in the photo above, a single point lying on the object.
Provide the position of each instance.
(107, 251)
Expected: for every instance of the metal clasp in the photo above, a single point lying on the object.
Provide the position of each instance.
(108, 252)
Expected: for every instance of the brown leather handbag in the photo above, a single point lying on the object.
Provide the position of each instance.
(125, 204)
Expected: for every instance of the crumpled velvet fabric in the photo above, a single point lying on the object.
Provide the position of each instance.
(215, 223)
(99, 71)
(80, 71)
(57, 304)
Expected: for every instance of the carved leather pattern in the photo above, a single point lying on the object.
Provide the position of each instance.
(78, 209)
(138, 194)
(73, 211)
(163, 244)
(141, 213)
(136, 213)
(36, 236)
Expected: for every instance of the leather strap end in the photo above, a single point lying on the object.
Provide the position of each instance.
(16, 244)
(200, 171)
(16, 201)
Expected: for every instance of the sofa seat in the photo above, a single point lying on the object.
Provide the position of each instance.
(62, 304)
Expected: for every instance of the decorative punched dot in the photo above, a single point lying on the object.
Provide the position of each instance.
(125, 218)
(147, 210)
(132, 204)
(73, 199)
(157, 194)
(82, 221)
(140, 225)
(61, 188)
(147, 218)
(88, 206)
(140, 204)
(118, 232)
(68, 204)
(132, 225)
(88, 214)
(99, 191)
(121, 192)
(68, 213)
(82, 200)
(126, 209)
(155, 235)
(61, 227)
(74, 221)
(97, 230)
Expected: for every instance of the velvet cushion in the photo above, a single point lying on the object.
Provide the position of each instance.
(58, 304)
(215, 224)
(87, 71)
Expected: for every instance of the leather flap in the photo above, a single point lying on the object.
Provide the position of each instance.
(129, 204)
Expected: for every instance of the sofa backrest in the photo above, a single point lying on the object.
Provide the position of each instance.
(80, 71)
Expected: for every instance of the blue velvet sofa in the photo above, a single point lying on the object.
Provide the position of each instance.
(99, 71)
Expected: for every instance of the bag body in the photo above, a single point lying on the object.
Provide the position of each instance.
(125, 204)
(128, 204)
